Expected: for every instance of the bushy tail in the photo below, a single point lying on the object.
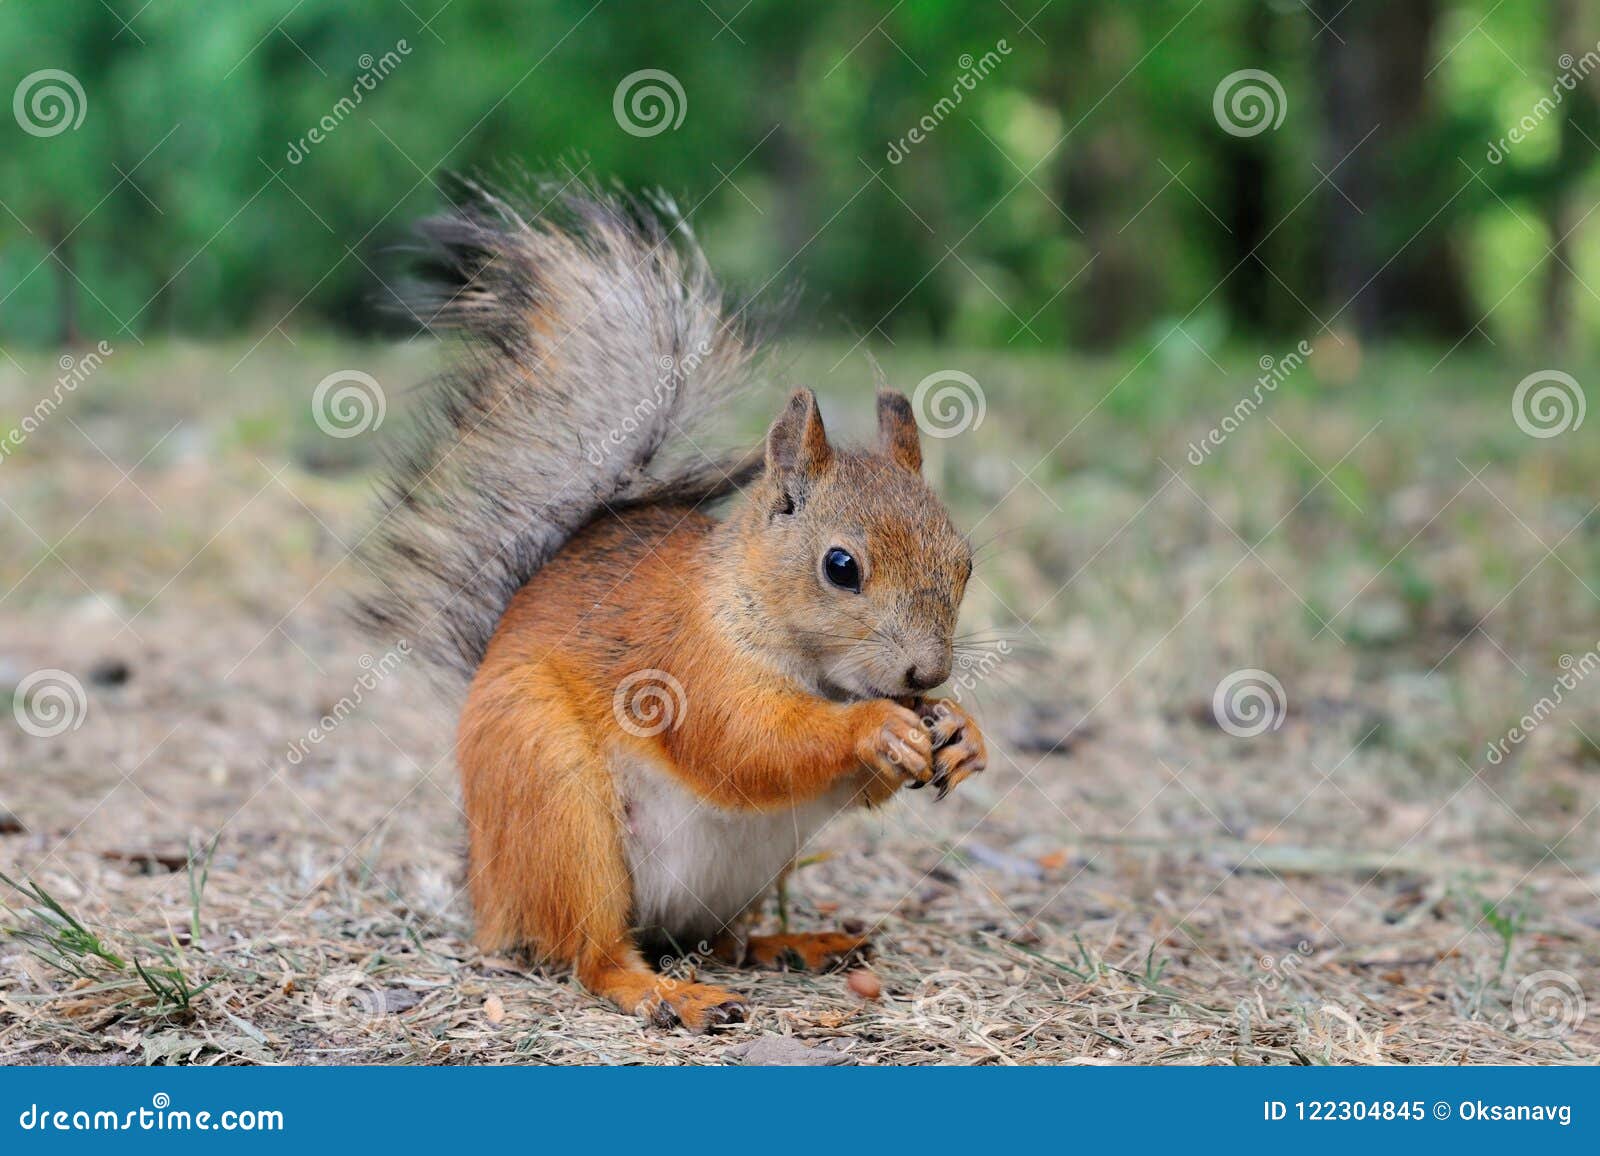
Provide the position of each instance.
(595, 339)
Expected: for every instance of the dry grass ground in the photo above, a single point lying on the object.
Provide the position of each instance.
(1128, 883)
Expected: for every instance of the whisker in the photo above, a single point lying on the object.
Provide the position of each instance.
(1010, 531)
(843, 637)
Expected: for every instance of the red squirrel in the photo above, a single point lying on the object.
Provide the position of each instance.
(662, 707)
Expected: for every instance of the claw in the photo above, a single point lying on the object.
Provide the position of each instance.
(962, 776)
(661, 1014)
(725, 1013)
(934, 720)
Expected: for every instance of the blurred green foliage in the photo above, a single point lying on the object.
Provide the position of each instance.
(1080, 190)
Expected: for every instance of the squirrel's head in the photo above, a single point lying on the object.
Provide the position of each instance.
(851, 558)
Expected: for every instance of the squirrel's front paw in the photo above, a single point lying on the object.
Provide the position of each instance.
(958, 747)
(895, 744)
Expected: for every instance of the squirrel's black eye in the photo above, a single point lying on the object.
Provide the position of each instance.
(841, 569)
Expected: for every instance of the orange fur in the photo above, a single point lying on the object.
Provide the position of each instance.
(540, 747)
(541, 538)
(802, 951)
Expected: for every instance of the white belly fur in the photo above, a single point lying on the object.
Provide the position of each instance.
(696, 867)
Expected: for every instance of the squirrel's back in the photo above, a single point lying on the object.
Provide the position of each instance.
(594, 340)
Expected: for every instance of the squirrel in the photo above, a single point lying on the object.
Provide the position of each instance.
(661, 706)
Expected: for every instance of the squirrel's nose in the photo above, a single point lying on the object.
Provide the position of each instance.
(926, 677)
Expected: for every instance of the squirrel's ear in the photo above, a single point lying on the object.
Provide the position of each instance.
(797, 445)
(898, 436)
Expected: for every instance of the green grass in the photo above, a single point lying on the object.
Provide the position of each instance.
(160, 985)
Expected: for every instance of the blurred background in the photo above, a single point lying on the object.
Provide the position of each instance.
(1071, 186)
(1252, 341)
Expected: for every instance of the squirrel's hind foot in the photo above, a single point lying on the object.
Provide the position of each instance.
(802, 951)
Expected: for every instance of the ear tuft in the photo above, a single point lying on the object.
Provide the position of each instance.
(797, 444)
(898, 436)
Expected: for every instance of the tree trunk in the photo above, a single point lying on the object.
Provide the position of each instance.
(1093, 173)
(1389, 263)
(1248, 290)
(64, 254)
(1559, 211)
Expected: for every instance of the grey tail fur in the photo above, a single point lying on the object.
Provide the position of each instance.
(594, 340)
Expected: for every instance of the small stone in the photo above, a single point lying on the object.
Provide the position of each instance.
(786, 1052)
(110, 672)
(393, 1000)
(865, 983)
